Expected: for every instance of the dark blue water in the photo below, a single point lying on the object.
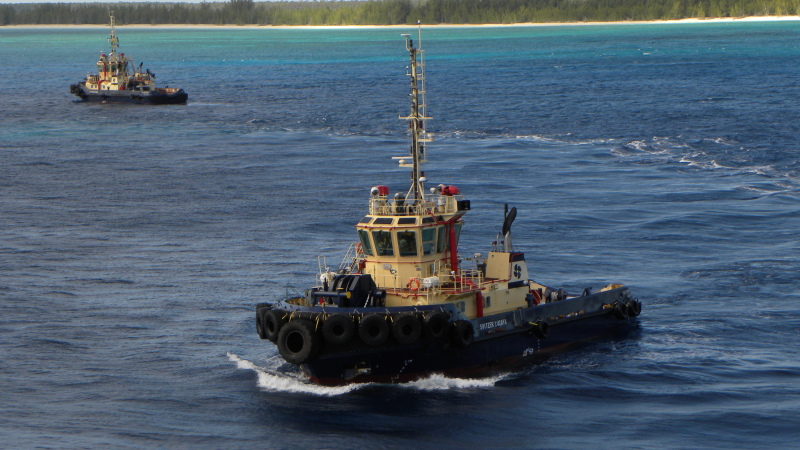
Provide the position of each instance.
(136, 240)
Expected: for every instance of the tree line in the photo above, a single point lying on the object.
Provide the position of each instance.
(387, 12)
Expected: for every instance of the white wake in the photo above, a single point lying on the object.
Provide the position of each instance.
(270, 379)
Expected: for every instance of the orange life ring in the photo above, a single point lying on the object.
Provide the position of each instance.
(414, 284)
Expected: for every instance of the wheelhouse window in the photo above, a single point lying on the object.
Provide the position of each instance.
(366, 245)
(407, 243)
(428, 241)
(383, 243)
(443, 240)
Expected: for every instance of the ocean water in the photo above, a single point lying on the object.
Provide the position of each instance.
(135, 240)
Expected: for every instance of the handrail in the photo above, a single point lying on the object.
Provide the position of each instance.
(434, 204)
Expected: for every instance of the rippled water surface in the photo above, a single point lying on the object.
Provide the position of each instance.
(136, 240)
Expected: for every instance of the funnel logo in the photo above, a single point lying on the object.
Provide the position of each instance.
(517, 271)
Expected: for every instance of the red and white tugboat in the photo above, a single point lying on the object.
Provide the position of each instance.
(401, 306)
(118, 80)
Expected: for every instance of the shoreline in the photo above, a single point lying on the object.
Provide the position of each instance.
(487, 25)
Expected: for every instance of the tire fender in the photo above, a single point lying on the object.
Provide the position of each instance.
(634, 308)
(462, 333)
(338, 329)
(273, 322)
(298, 342)
(373, 330)
(541, 329)
(436, 325)
(260, 329)
(406, 328)
(621, 311)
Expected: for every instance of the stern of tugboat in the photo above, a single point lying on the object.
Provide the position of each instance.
(77, 90)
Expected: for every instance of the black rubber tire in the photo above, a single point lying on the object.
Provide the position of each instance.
(339, 329)
(541, 329)
(261, 310)
(406, 328)
(260, 324)
(273, 322)
(621, 311)
(461, 335)
(436, 325)
(298, 342)
(634, 308)
(373, 330)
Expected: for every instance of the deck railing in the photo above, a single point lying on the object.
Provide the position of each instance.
(433, 204)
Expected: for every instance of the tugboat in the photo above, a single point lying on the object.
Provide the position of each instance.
(401, 306)
(119, 81)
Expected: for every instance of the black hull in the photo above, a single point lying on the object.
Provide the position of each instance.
(499, 343)
(151, 97)
(483, 358)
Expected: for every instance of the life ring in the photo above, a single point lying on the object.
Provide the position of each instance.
(273, 322)
(406, 328)
(298, 342)
(436, 325)
(338, 329)
(414, 284)
(373, 330)
(462, 334)
(540, 329)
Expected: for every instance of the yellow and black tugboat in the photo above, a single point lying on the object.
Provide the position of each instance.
(402, 306)
(118, 80)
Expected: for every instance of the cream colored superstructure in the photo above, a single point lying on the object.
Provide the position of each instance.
(412, 258)
(116, 72)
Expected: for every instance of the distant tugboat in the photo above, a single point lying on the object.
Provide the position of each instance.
(119, 81)
(401, 306)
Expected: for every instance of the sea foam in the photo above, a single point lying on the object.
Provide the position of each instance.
(270, 379)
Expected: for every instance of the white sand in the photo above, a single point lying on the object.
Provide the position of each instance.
(529, 24)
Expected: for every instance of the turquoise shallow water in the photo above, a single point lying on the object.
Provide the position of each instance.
(135, 240)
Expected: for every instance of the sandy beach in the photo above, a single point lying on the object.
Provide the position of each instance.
(528, 24)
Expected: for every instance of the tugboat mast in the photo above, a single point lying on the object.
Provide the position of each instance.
(112, 39)
(416, 120)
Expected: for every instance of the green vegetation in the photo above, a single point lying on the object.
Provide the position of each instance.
(387, 12)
